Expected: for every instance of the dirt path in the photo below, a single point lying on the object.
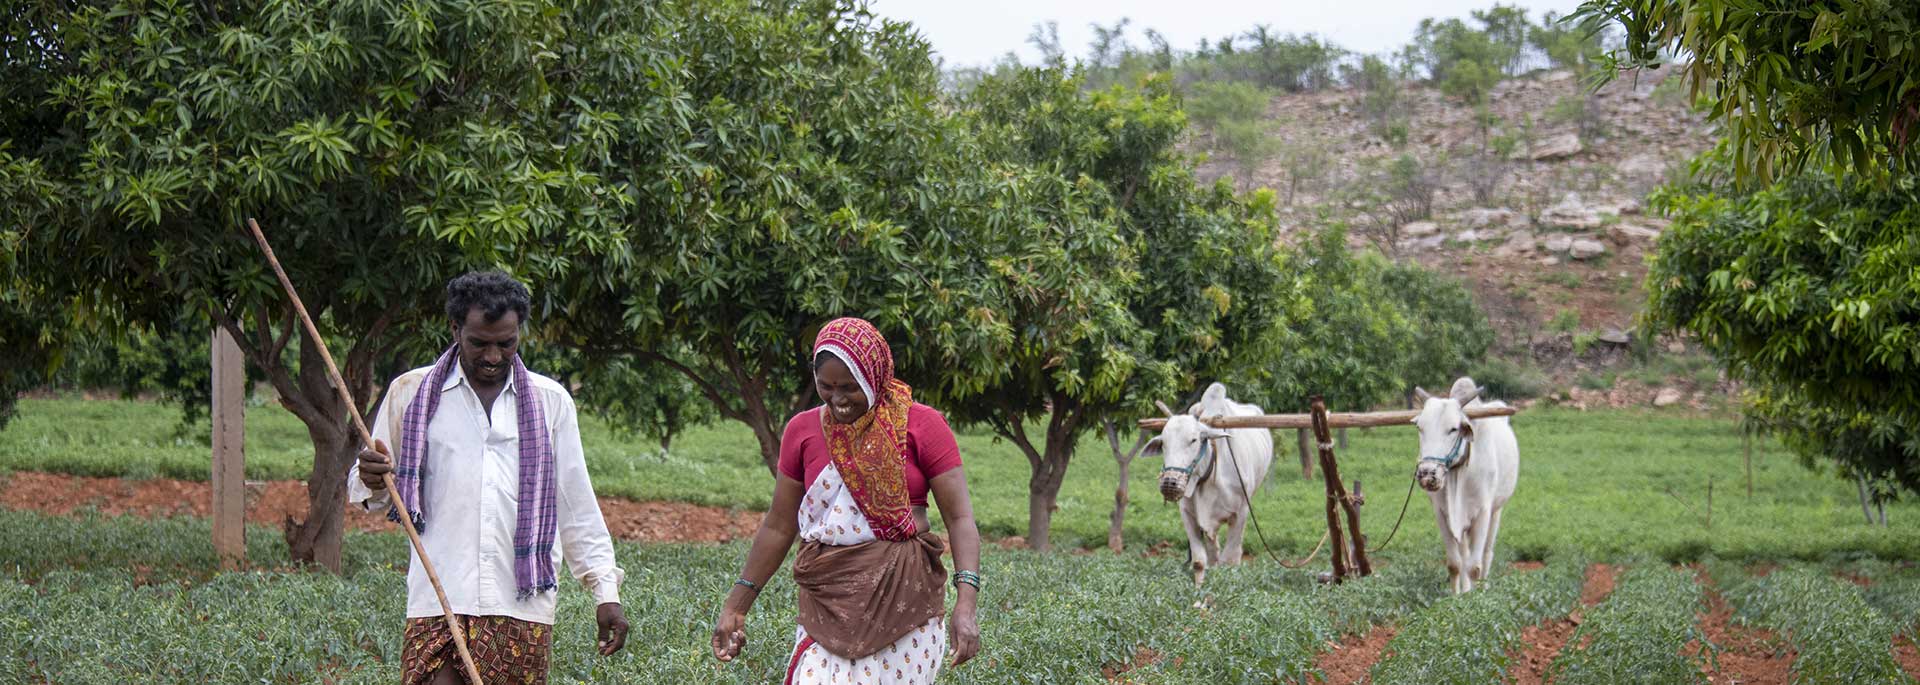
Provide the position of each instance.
(1350, 660)
(1542, 642)
(1142, 658)
(1908, 655)
(1749, 656)
(269, 503)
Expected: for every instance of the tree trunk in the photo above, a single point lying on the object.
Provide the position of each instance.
(317, 540)
(311, 396)
(754, 400)
(1306, 455)
(1746, 453)
(1044, 489)
(1861, 480)
(769, 445)
(1040, 501)
(1116, 523)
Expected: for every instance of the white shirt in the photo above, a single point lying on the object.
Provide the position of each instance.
(471, 487)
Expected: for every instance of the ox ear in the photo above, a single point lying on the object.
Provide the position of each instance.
(1421, 394)
(1153, 447)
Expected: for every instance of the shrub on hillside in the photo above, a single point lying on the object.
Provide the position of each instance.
(1383, 99)
(1390, 194)
(1510, 380)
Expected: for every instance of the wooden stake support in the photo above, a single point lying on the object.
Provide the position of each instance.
(229, 474)
(1337, 500)
(1349, 544)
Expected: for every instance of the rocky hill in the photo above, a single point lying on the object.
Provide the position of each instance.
(1554, 247)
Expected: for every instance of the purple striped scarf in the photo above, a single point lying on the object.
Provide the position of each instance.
(536, 518)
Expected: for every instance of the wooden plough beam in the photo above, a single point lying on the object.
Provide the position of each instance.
(1346, 560)
(1334, 420)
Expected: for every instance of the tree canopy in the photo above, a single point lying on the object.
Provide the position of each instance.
(1182, 283)
(1793, 252)
(1810, 290)
(783, 167)
(385, 146)
(1792, 84)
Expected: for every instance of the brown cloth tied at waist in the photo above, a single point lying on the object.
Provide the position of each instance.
(857, 599)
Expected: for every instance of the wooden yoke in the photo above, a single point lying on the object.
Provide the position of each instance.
(1333, 420)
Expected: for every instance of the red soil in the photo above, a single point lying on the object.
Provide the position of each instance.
(1749, 656)
(271, 503)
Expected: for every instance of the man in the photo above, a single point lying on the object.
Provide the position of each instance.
(488, 462)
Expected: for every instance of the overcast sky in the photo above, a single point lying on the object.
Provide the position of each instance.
(978, 32)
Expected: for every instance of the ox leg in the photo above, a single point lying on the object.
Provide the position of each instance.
(1456, 556)
(1493, 537)
(1197, 546)
(1476, 547)
(1233, 548)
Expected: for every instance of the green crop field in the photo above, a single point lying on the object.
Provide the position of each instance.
(1608, 483)
(93, 600)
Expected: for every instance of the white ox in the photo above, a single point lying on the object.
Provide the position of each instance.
(1213, 473)
(1468, 469)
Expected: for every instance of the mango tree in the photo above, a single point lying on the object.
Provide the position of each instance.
(1805, 288)
(1179, 284)
(386, 146)
(784, 165)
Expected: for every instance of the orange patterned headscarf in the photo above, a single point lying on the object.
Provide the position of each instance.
(871, 452)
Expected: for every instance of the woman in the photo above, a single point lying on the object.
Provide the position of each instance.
(853, 483)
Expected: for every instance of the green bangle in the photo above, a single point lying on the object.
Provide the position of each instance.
(968, 577)
(749, 585)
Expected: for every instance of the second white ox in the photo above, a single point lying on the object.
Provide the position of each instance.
(1468, 469)
(1213, 473)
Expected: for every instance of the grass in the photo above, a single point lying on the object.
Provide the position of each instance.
(1565, 321)
(1595, 481)
(1564, 279)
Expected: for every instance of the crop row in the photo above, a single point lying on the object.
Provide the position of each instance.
(126, 600)
(1639, 634)
(1469, 638)
(1840, 638)
(1898, 599)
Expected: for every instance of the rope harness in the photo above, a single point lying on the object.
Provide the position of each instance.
(1268, 548)
(1203, 463)
(1462, 451)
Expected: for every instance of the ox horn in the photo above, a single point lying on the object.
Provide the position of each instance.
(1421, 394)
(1163, 408)
(1464, 390)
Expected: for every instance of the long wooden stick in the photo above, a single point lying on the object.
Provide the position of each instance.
(1334, 420)
(366, 436)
